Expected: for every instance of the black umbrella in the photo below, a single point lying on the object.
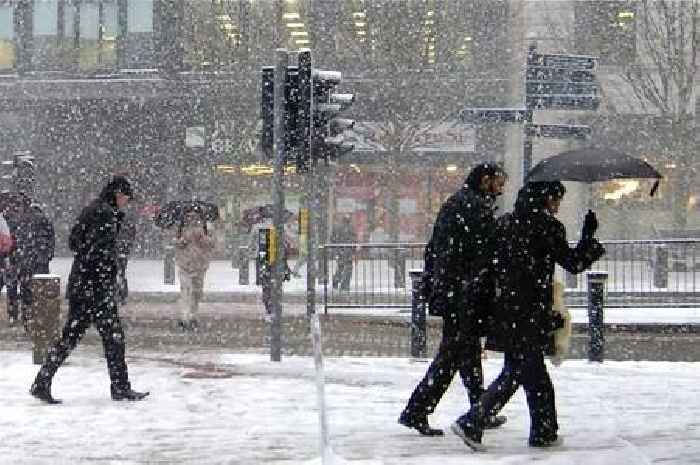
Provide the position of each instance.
(592, 164)
(175, 212)
(260, 213)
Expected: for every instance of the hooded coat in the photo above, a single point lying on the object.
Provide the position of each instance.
(529, 243)
(460, 247)
(93, 239)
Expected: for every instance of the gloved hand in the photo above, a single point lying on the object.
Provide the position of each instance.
(590, 226)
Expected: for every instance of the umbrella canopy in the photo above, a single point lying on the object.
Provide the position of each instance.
(175, 212)
(261, 213)
(592, 164)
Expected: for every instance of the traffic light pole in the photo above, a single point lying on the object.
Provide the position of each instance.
(281, 62)
(527, 155)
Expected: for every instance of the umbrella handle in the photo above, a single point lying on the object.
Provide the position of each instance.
(654, 188)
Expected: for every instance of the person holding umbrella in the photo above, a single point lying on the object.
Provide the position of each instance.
(92, 293)
(193, 249)
(530, 241)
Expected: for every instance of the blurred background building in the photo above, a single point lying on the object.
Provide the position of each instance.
(168, 92)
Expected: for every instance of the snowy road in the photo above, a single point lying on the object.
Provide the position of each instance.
(216, 408)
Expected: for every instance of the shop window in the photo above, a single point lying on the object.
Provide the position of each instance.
(214, 34)
(49, 43)
(139, 41)
(7, 37)
(98, 35)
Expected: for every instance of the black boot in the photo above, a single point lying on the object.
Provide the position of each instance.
(419, 423)
(127, 394)
(494, 421)
(41, 389)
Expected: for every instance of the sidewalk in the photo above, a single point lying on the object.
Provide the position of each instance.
(222, 407)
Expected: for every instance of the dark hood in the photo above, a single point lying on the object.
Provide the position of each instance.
(116, 184)
(533, 195)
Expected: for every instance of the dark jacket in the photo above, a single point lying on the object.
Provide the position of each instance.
(460, 246)
(529, 243)
(44, 236)
(343, 233)
(93, 239)
(33, 234)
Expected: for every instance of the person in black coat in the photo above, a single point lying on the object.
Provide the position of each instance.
(343, 233)
(92, 293)
(529, 243)
(34, 247)
(460, 242)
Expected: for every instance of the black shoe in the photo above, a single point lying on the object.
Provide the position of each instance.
(420, 424)
(494, 421)
(42, 391)
(469, 436)
(128, 394)
(553, 441)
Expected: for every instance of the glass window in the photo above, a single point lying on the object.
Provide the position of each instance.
(139, 48)
(140, 16)
(98, 33)
(45, 18)
(47, 51)
(7, 36)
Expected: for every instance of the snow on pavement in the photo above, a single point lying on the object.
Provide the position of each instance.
(215, 408)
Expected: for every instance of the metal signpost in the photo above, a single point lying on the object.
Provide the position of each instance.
(552, 82)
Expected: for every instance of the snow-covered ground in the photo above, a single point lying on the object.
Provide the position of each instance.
(225, 408)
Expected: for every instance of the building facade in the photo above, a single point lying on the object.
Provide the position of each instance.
(168, 92)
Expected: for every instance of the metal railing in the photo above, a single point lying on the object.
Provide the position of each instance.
(653, 272)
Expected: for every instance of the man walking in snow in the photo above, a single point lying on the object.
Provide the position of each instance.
(92, 293)
(461, 240)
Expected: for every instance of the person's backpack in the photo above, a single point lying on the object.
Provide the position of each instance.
(425, 290)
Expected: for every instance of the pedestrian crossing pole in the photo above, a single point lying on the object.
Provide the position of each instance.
(282, 60)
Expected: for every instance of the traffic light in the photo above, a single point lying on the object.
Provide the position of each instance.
(319, 110)
(291, 110)
(329, 126)
(267, 110)
(291, 114)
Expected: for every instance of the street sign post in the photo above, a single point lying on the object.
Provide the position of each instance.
(560, 82)
(495, 115)
(558, 131)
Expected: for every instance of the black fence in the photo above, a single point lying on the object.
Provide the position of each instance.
(640, 273)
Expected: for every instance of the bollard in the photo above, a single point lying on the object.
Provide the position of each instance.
(418, 323)
(169, 265)
(400, 268)
(596, 304)
(243, 270)
(45, 314)
(661, 267)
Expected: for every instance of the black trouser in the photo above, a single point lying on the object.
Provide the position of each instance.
(527, 368)
(343, 274)
(106, 319)
(19, 287)
(457, 352)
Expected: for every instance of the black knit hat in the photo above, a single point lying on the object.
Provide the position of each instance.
(117, 184)
(489, 168)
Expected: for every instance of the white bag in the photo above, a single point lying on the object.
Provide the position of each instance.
(7, 242)
(562, 336)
